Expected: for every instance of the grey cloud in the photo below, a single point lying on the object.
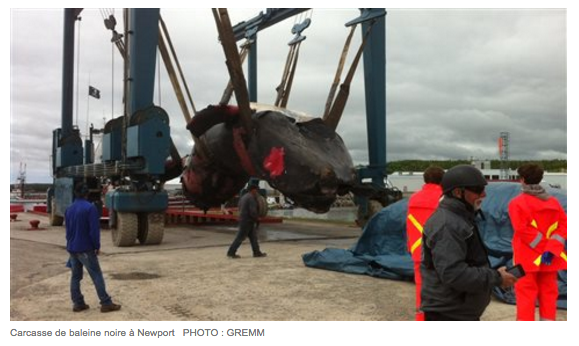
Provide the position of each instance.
(455, 79)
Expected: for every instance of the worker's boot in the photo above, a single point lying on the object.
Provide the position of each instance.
(79, 308)
(110, 307)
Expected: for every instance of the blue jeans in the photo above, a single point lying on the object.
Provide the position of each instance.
(246, 229)
(88, 260)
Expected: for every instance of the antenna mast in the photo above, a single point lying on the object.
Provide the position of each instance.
(504, 155)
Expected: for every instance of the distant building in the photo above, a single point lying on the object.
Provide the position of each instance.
(409, 182)
(493, 174)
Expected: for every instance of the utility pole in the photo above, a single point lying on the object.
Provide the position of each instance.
(21, 179)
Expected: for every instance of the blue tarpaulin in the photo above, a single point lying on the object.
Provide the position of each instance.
(381, 250)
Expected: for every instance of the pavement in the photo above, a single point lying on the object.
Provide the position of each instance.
(189, 278)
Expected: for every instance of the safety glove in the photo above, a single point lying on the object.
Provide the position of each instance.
(546, 258)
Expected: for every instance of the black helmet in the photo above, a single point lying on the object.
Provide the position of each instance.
(462, 176)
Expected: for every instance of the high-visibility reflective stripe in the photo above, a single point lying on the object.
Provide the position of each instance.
(536, 241)
(552, 229)
(537, 261)
(415, 222)
(563, 256)
(559, 239)
(415, 245)
(534, 223)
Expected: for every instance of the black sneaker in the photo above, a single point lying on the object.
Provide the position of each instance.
(261, 254)
(110, 307)
(233, 256)
(79, 308)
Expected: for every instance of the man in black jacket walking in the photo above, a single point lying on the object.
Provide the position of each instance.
(248, 218)
(456, 273)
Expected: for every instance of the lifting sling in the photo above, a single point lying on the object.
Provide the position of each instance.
(233, 62)
(164, 36)
(284, 88)
(228, 92)
(333, 115)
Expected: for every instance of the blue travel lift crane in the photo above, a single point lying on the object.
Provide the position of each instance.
(135, 146)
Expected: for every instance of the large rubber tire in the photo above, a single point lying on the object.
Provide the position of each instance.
(126, 229)
(262, 210)
(53, 219)
(261, 206)
(151, 228)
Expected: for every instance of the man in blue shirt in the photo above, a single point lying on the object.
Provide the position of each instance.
(83, 243)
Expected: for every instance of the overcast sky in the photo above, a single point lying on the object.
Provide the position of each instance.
(455, 80)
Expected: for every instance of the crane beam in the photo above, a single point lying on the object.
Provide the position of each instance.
(265, 20)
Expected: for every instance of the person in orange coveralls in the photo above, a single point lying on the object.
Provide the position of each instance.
(420, 206)
(539, 245)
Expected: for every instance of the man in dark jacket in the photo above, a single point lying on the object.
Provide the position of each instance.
(248, 217)
(456, 275)
(83, 243)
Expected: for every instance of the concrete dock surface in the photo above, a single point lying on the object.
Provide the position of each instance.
(189, 278)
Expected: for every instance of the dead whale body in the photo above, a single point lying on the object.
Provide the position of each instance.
(299, 156)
